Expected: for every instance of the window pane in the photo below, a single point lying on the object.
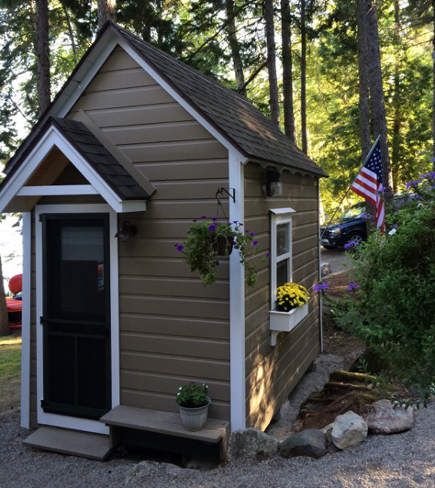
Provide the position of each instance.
(282, 272)
(282, 238)
(81, 272)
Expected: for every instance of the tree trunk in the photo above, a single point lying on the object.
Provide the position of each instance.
(4, 329)
(433, 86)
(376, 88)
(106, 11)
(397, 122)
(42, 55)
(304, 139)
(235, 47)
(271, 61)
(363, 105)
(287, 75)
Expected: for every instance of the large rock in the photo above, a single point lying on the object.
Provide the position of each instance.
(348, 430)
(385, 419)
(309, 442)
(252, 443)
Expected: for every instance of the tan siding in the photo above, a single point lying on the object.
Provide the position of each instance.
(271, 373)
(173, 329)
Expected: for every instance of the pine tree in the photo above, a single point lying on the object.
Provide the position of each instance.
(42, 55)
(303, 28)
(287, 75)
(363, 85)
(271, 60)
(106, 11)
(234, 46)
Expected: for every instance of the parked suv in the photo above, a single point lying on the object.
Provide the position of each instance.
(352, 227)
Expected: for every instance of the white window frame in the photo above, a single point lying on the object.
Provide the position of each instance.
(280, 216)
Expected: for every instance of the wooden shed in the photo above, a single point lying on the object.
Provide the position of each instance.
(112, 327)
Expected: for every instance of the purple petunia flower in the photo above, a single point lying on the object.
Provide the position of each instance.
(428, 176)
(179, 247)
(321, 286)
(212, 227)
(252, 234)
(255, 243)
(267, 254)
(350, 245)
(214, 219)
(352, 286)
(412, 184)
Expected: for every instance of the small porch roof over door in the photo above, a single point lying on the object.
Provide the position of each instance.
(121, 187)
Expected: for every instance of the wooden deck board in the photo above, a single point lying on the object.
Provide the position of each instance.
(164, 423)
(71, 442)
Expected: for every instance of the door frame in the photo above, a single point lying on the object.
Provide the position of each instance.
(66, 421)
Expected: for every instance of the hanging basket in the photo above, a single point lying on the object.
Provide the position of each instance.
(223, 246)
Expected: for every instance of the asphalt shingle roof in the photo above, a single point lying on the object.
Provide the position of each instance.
(234, 116)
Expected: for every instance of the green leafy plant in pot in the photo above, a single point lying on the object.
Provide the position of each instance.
(193, 402)
(208, 240)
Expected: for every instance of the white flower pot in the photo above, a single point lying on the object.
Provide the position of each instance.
(286, 321)
(194, 418)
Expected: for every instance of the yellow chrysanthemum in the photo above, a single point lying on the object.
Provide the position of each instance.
(291, 295)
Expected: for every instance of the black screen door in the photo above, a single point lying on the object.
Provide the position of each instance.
(76, 320)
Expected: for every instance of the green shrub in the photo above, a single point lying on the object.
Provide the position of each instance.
(393, 310)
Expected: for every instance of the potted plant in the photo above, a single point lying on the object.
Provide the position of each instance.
(208, 240)
(291, 308)
(193, 401)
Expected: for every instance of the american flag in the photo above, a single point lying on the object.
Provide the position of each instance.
(369, 183)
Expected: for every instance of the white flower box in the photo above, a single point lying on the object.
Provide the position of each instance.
(285, 321)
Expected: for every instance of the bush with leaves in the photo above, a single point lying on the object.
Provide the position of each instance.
(393, 309)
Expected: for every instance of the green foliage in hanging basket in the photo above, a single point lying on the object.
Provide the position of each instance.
(208, 240)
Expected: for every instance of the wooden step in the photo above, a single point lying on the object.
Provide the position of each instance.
(71, 442)
(167, 423)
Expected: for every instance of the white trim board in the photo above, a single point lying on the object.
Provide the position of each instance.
(65, 421)
(47, 190)
(26, 322)
(53, 137)
(237, 302)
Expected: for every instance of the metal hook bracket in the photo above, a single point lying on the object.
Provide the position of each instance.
(222, 192)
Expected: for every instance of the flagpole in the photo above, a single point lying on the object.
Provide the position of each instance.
(350, 186)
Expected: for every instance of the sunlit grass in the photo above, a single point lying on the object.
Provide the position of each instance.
(10, 365)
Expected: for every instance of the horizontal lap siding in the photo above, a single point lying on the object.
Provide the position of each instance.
(173, 329)
(271, 373)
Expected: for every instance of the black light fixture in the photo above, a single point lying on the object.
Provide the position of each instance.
(126, 231)
(272, 186)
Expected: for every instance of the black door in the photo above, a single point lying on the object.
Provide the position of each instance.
(76, 319)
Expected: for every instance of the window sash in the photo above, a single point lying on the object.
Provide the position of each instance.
(277, 219)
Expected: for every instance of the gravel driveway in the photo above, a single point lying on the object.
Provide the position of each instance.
(405, 460)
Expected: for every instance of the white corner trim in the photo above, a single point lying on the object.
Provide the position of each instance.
(237, 302)
(52, 138)
(48, 190)
(25, 321)
(319, 278)
(65, 420)
(178, 98)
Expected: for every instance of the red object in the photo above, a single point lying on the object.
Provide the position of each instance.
(16, 284)
(14, 305)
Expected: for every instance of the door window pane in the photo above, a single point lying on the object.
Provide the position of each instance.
(81, 279)
(282, 272)
(282, 239)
